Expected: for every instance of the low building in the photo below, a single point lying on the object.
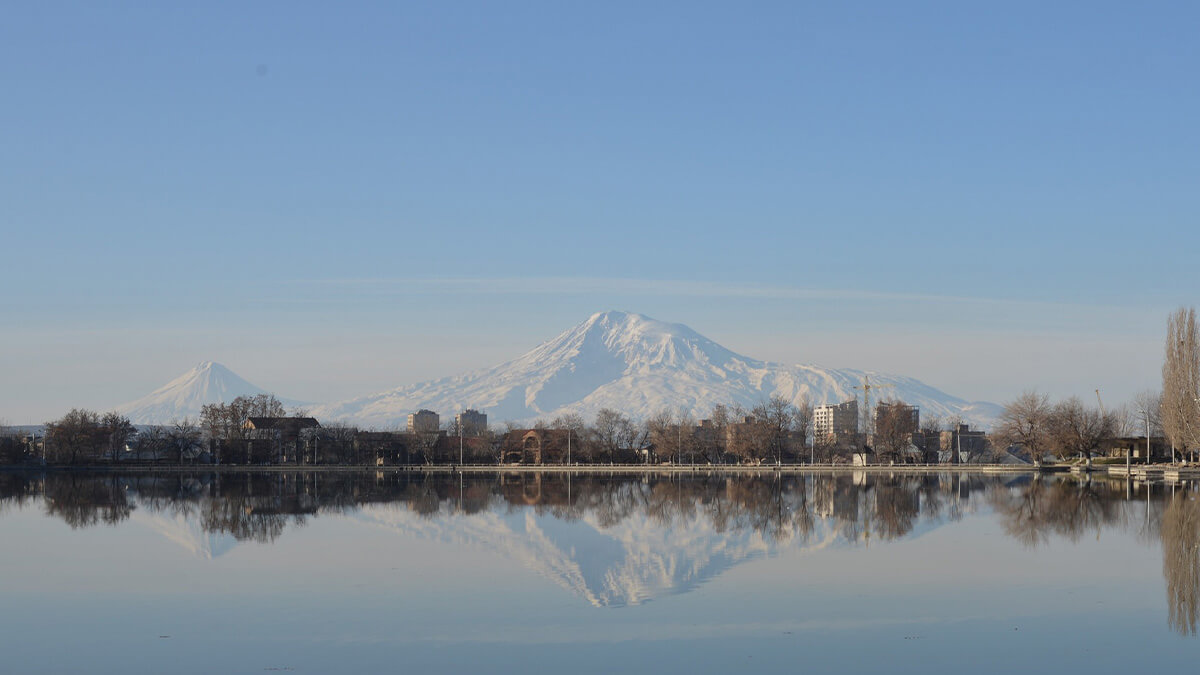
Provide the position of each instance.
(290, 438)
(538, 446)
(1136, 447)
(384, 448)
(967, 444)
(287, 428)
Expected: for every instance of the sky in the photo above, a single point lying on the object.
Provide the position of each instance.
(333, 201)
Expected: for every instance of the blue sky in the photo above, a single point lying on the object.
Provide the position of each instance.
(333, 201)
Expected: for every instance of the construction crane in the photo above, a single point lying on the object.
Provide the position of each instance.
(1102, 413)
(866, 390)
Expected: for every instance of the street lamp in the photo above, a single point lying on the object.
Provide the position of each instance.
(1146, 415)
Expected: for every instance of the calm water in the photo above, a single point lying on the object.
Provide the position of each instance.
(518, 573)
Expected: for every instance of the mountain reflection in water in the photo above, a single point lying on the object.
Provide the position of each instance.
(624, 539)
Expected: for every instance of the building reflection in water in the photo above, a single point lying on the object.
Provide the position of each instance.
(698, 524)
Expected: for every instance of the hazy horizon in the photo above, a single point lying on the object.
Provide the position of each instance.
(908, 343)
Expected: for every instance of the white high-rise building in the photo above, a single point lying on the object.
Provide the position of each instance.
(835, 420)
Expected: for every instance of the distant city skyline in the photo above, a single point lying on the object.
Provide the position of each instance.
(988, 199)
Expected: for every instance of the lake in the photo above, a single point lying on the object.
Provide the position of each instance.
(365, 572)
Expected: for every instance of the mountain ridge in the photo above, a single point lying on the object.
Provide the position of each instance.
(619, 360)
(638, 365)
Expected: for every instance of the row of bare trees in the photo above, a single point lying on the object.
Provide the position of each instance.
(227, 421)
(84, 435)
(1070, 428)
(13, 449)
(1067, 428)
(772, 431)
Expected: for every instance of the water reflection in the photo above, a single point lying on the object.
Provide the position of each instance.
(1181, 561)
(1069, 508)
(624, 539)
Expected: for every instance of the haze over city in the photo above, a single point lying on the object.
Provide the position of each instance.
(986, 200)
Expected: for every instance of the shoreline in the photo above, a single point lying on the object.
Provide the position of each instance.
(557, 468)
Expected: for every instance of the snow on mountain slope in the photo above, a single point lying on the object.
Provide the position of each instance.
(630, 563)
(637, 365)
(182, 397)
(186, 530)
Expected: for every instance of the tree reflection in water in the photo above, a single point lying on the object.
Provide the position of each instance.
(1181, 561)
(84, 501)
(1063, 506)
(854, 507)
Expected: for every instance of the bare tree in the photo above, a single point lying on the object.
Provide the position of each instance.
(685, 436)
(572, 421)
(1076, 429)
(1181, 381)
(824, 447)
(802, 421)
(1146, 409)
(12, 449)
(117, 429)
(336, 443)
(576, 429)
(225, 423)
(661, 427)
(75, 436)
(263, 405)
(779, 417)
(1025, 422)
(634, 437)
(749, 437)
(712, 435)
(894, 428)
(610, 430)
(183, 436)
(931, 436)
(671, 434)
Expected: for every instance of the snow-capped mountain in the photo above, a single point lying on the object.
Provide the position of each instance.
(182, 397)
(639, 366)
